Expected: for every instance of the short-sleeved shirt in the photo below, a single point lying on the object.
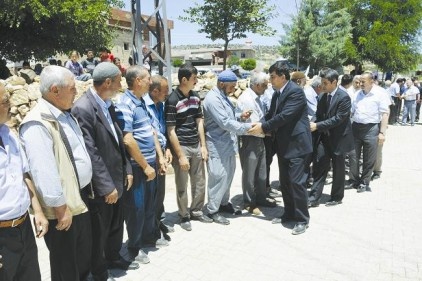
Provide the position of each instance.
(157, 113)
(14, 195)
(368, 108)
(134, 118)
(182, 113)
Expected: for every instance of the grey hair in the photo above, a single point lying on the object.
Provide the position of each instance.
(54, 75)
(356, 77)
(258, 78)
(134, 71)
(316, 82)
(156, 82)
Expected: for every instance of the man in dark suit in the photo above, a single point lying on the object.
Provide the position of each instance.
(335, 134)
(111, 169)
(288, 121)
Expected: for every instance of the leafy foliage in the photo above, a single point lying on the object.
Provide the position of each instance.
(177, 62)
(231, 19)
(321, 33)
(233, 60)
(42, 28)
(248, 64)
(384, 32)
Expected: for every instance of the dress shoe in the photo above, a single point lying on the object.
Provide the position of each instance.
(253, 210)
(185, 224)
(361, 188)
(282, 219)
(142, 257)
(229, 209)
(332, 203)
(166, 228)
(300, 228)
(123, 264)
(217, 218)
(270, 203)
(313, 204)
(350, 184)
(202, 218)
(375, 176)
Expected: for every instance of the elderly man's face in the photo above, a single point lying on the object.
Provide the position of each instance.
(144, 83)
(163, 93)
(65, 95)
(4, 105)
(115, 85)
(228, 87)
(366, 83)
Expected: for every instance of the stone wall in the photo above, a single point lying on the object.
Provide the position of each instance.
(24, 96)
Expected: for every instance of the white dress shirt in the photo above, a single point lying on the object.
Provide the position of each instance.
(368, 108)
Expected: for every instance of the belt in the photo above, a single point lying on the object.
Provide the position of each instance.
(13, 223)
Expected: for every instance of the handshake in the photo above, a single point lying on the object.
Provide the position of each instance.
(256, 130)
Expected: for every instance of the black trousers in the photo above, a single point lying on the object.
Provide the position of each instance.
(19, 252)
(392, 118)
(107, 235)
(293, 174)
(270, 151)
(321, 169)
(70, 251)
(366, 140)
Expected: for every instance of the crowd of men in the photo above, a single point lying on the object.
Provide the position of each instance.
(89, 167)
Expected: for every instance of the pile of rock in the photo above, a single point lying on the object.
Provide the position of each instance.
(24, 96)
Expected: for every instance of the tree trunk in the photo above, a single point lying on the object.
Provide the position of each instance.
(226, 44)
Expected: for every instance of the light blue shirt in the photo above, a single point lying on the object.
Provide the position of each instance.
(266, 99)
(158, 122)
(221, 126)
(312, 101)
(39, 150)
(14, 195)
(105, 104)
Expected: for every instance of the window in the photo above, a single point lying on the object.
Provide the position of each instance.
(126, 46)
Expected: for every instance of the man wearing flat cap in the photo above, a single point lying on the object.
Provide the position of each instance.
(221, 130)
(112, 171)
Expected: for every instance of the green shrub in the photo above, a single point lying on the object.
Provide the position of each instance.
(177, 62)
(248, 64)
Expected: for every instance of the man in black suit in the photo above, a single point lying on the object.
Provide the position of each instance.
(335, 133)
(288, 121)
(111, 169)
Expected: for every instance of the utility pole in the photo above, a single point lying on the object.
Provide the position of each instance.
(298, 37)
(159, 37)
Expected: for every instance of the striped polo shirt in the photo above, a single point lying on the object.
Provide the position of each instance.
(133, 117)
(182, 113)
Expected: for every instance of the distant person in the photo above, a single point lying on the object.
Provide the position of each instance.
(38, 68)
(76, 68)
(105, 55)
(90, 62)
(59, 63)
(118, 63)
(299, 78)
(26, 65)
(236, 71)
(4, 70)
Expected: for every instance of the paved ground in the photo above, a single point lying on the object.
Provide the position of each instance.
(371, 236)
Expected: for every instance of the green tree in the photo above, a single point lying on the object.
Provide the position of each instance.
(248, 64)
(384, 32)
(320, 32)
(177, 62)
(42, 28)
(233, 60)
(231, 19)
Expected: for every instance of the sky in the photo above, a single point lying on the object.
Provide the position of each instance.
(185, 33)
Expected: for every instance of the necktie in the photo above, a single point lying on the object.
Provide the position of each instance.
(328, 102)
(277, 95)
